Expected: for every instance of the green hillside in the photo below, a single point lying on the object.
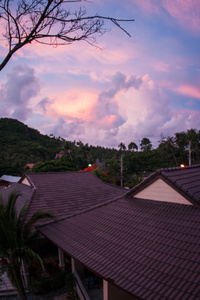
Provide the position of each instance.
(20, 145)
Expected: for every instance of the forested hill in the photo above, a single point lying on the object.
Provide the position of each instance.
(20, 145)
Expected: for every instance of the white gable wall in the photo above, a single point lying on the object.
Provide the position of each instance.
(25, 181)
(161, 191)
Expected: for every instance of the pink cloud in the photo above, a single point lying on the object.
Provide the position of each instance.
(161, 66)
(149, 6)
(188, 90)
(139, 111)
(73, 105)
(186, 13)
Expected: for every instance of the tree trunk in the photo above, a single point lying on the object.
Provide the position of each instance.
(15, 277)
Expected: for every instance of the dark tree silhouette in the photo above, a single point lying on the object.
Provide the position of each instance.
(146, 144)
(132, 146)
(49, 22)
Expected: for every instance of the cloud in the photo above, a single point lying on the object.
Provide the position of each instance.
(74, 104)
(186, 13)
(188, 90)
(16, 93)
(106, 105)
(132, 108)
(44, 104)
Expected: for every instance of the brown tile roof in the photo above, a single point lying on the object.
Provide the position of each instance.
(184, 180)
(150, 249)
(66, 193)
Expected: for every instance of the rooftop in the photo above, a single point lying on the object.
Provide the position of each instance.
(149, 248)
(66, 193)
(184, 180)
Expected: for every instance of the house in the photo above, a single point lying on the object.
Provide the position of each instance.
(7, 180)
(177, 185)
(67, 193)
(29, 166)
(142, 245)
(62, 193)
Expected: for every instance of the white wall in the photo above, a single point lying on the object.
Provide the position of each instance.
(161, 191)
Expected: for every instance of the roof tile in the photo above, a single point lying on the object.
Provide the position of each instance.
(154, 257)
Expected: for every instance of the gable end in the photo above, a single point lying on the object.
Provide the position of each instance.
(159, 190)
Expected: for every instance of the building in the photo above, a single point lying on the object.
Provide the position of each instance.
(144, 245)
(140, 244)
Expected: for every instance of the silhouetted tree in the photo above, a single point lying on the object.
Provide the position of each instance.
(48, 22)
(167, 149)
(132, 146)
(145, 144)
(181, 142)
(122, 147)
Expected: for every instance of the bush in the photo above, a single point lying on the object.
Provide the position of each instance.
(47, 285)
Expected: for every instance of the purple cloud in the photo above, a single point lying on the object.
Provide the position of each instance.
(21, 86)
(105, 105)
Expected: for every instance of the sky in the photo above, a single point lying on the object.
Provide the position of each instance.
(146, 85)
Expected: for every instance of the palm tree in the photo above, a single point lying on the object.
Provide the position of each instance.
(132, 146)
(17, 238)
(66, 151)
(122, 147)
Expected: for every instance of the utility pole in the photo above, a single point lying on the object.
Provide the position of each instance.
(121, 170)
(190, 151)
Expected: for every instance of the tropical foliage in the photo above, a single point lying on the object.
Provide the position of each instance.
(50, 153)
(17, 239)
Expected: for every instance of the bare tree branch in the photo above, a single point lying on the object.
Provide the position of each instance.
(49, 22)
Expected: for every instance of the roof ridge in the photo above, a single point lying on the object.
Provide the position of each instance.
(53, 172)
(140, 184)
(74, 172)
(82, 211)
(31, 182)
(177, 168)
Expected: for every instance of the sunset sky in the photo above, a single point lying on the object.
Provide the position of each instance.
(146, 85)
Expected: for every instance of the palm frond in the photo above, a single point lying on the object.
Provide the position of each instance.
(18, 237)
(37, 217)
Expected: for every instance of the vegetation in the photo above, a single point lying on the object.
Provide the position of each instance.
(47, 285)
(49, 153)
(62, 280)
(21, 145)
(18, 237)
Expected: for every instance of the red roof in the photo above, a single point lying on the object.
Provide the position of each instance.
(30, 166)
